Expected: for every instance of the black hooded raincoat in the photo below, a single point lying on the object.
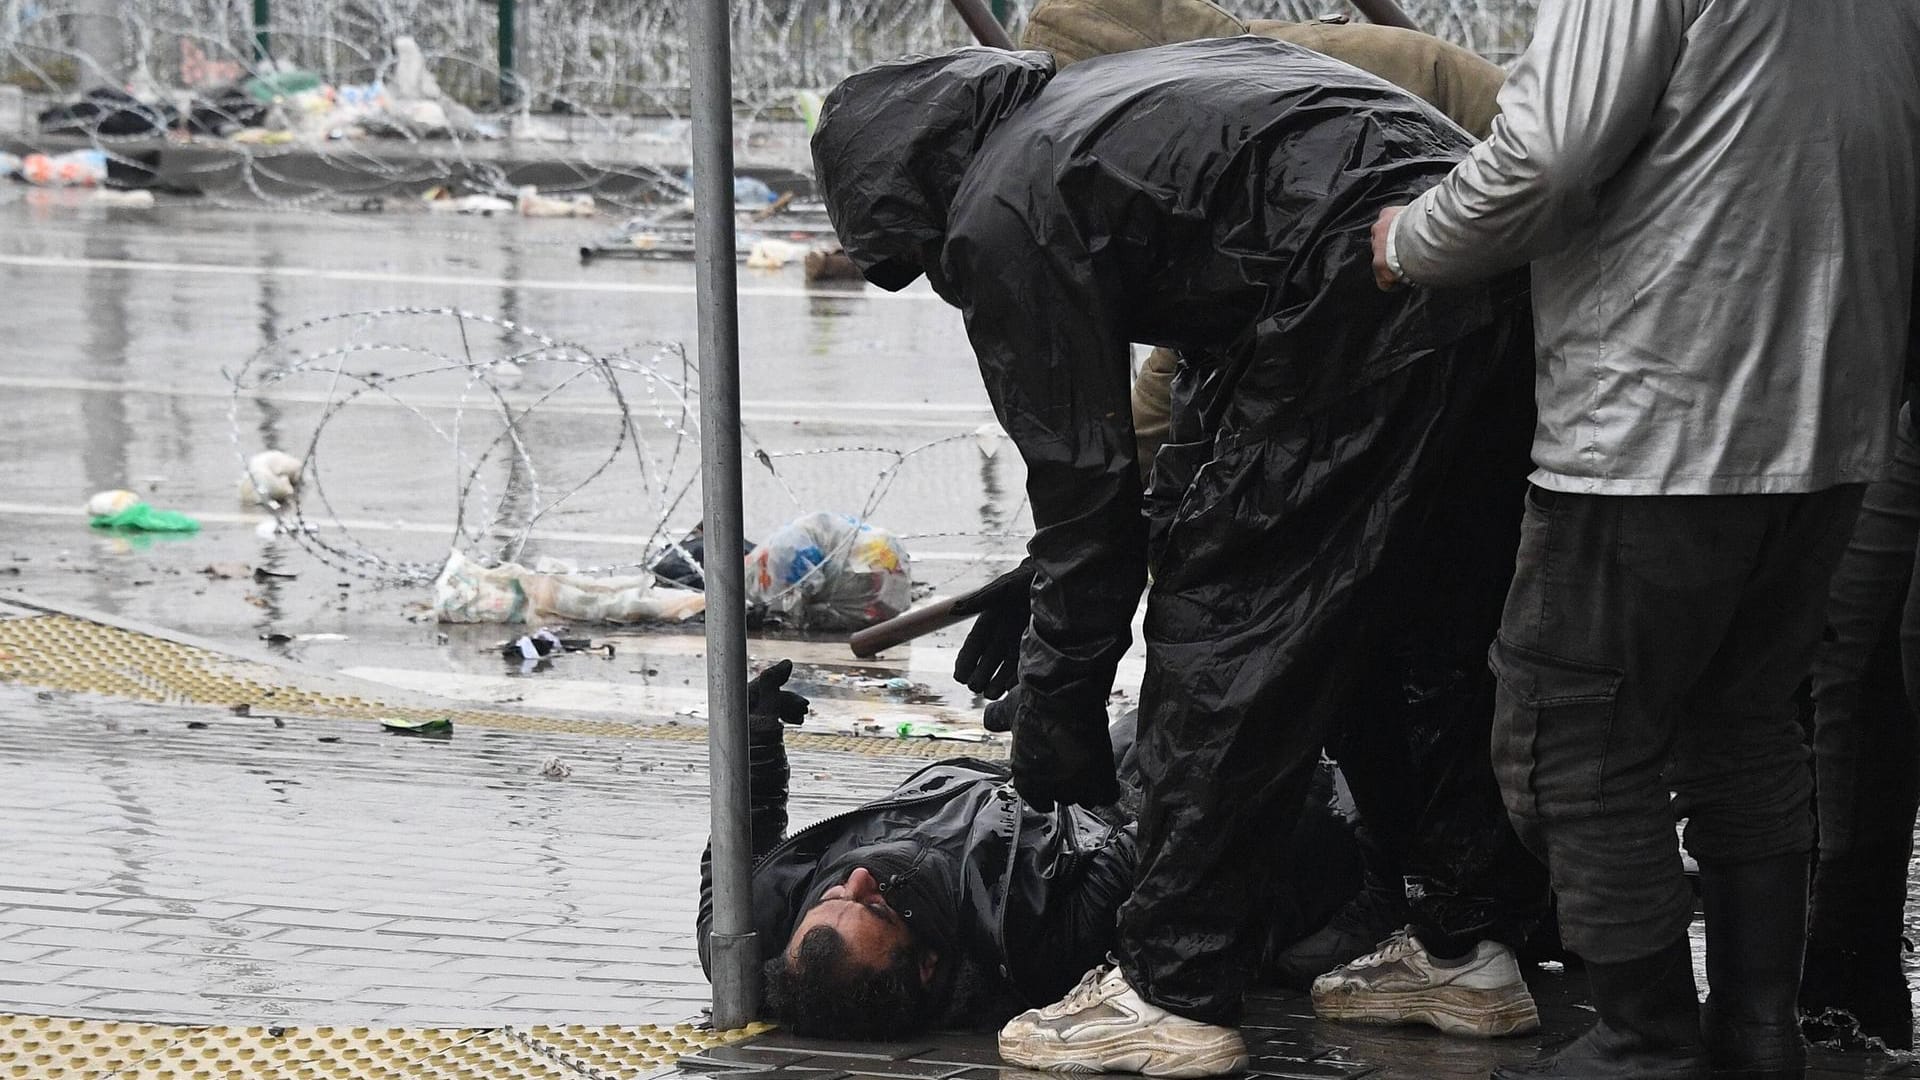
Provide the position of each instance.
(1214, 197)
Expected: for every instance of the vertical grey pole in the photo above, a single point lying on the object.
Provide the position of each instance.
(734, 954)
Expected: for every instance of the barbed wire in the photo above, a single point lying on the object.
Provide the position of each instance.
(329, 102)
(535, 427)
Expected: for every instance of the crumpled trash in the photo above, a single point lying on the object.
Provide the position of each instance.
(531, 203)
(75, 168)
(829, 571)
(273, 476)
(140, 199)
(430, 727)
(109, 111)
(143, 518)
(441, 201)
(467, 592)
(774, 254)
(121, 509)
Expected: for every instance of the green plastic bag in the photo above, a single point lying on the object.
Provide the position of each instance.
(281, 84)
(442, 725)
(143, 518)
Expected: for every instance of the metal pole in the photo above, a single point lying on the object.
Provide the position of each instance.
(262, 37)
(1386, 13)
(986, 29)
(509, 82)
(732, 950)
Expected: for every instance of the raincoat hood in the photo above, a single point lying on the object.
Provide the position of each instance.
(893, 221)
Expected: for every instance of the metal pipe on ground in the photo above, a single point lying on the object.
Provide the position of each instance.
(985, 28)
(732, 949)
(1386, 13)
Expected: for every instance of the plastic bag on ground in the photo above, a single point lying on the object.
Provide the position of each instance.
(143, 518)
(467, 592)
(828, 571)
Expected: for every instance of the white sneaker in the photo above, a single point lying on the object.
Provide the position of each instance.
(1103, 1025)
(1399, 983)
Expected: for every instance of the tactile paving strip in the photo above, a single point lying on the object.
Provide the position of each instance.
(61, 1048)
(63, 653)
(602, 1053)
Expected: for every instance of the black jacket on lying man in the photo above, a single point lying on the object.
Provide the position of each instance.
(949, 902)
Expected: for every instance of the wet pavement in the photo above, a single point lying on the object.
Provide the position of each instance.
(182, 864)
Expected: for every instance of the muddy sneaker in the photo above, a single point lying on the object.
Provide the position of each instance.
(1102, 1025)
(1399, 983)
(1373, 913)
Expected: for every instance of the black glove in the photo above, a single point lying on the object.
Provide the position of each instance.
(1056, 757)
(769, 706)
(989, 660)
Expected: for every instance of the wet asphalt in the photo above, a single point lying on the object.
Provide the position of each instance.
(124, 329)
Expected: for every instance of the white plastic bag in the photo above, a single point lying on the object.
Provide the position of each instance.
(829, 571)
(467, 592)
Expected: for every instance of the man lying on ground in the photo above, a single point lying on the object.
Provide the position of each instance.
(950, 902)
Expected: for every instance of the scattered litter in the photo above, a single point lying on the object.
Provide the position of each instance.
(774, 254)
(277, 638)
(196, 725)
(103, 503)
(435, 726)
(441, 201)
(555, 769)
(75, 168)
(226, 570)
(467, 592)
(242, 709)
(898, 684)
(329, 738)
(828, 571)
(137, 516)
(141, 199)
(531, 203)
(831, 264)
(262, 575)
(272, 477)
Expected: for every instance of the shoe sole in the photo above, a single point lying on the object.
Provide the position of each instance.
(1477, 1013)
(1125, 1053)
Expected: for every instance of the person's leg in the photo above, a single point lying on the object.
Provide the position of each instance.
(1867, 771)
(1617, 607)
(1742, 780)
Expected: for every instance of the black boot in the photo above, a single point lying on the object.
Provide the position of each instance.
(1854, 949)
(1649, 1027)
(1756, 934)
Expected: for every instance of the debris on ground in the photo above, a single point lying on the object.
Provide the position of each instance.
(467, 592)
(272, 478)
(555, 769)
(120, 509)
(531, 203)
(830, 263)
(116, 199)
(441, 726)
(829, 571)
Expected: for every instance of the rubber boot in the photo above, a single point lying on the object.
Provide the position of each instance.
(1756, 935)
(1854, 949)
(1649, 1027)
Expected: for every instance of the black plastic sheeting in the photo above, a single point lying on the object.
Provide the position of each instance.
(1213, 197)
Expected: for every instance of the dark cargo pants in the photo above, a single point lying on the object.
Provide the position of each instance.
(1866, 751)
(1653, 645)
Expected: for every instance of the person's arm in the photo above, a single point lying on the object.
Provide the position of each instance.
(1054, 358)
(769, 709)
(1573, 109)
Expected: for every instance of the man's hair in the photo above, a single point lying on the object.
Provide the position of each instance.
(823, 993)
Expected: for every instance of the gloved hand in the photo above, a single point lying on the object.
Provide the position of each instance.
(769, 706)
(1056, 757)
(989, 660)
